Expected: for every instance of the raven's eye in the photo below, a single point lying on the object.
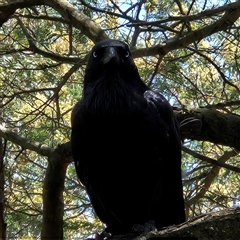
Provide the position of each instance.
(127, 54)
(94, 54)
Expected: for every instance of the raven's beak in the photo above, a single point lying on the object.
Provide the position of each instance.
(109, 55)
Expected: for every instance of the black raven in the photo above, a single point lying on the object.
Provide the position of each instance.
(126, 144)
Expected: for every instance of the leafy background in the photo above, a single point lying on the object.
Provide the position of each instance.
(186, 49)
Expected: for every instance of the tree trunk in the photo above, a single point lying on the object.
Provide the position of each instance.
(3, 225)
(53, 206)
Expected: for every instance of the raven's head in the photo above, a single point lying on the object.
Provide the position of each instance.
(111, 75)
(110, 59)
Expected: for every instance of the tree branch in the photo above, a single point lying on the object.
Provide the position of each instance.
(219, 163)
(218, 68)
(223, 105)
(25, 143)
(224, 224)
(205, 125)
(210, 125)
(189, 18)
(227, 20)
(89, 28)
(79, 20)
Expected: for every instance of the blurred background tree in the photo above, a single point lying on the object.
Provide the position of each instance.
(188, 50)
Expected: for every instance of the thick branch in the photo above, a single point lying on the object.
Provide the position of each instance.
(79, 20)
(200, 124)
(25, 143)
(210, 125)
(216, 225)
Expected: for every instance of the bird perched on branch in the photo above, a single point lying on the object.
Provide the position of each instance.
(126, 145)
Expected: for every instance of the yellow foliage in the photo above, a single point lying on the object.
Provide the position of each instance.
(37, 198)
(61, 45)
(151, 5)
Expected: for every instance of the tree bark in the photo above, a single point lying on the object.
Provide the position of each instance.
(210, 125)
(216, 225)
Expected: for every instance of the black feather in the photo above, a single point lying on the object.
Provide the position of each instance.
(126, 144)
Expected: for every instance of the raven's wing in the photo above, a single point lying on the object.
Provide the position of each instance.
(168, 191)
(77, 139)
(161, 111)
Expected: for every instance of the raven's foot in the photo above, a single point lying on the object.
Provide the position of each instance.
(169, 227)
(102, 236)
(147, 227)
